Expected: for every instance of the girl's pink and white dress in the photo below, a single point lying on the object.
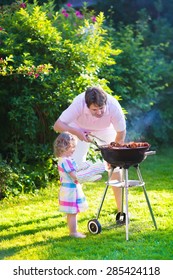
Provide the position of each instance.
(71, 197)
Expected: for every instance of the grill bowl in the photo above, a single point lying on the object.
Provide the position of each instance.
(123, 157)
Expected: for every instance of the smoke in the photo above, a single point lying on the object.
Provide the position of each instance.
(140, 127)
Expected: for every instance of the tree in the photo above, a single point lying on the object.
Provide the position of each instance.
(47, 58)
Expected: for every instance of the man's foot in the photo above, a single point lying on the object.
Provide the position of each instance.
(121, 218)
(83, 166)
(78, 235)
(87, 178)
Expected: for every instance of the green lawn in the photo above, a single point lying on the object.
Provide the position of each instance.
(31, 228)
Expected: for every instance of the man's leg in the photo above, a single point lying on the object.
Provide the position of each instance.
(117, 191)
(108, 136)
(80, 152)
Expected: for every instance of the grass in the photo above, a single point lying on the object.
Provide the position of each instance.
(31, 228)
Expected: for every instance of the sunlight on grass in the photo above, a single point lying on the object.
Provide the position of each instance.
(31, 227)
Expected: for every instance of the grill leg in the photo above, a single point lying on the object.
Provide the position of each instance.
(146, 197)
(122, 202)
(127, 210)
(107, 185)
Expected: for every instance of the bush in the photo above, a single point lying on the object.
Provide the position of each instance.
(47, 58)
(7, 178)
(24, 178)
(142, 78)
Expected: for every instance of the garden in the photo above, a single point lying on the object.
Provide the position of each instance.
(50, 51)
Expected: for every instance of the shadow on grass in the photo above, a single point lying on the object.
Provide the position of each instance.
(5, 227)
(110, 244)
(30, 232)
(5, 253)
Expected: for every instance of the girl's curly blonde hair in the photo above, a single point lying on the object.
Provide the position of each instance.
(64, 141)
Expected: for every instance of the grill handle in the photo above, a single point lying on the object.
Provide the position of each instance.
(149, 153)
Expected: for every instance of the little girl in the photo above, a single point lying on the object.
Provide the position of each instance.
(71, 197)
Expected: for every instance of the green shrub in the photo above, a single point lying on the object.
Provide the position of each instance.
(142, 78)
(47, 58)
(7, 179)
(24, 178)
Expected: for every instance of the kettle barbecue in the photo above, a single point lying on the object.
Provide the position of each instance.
(123, 156)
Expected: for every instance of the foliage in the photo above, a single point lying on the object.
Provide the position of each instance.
(160, 34)
(22, 178)
(49, 55)
(137, 78)
(47, 58)
(7, 178)
(127, 11)
(143, 75)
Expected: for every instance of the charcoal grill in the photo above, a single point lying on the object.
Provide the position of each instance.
(123, 158)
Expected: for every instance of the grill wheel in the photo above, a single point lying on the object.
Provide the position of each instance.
(94, 226)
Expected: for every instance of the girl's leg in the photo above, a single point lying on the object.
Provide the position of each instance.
(72, 224)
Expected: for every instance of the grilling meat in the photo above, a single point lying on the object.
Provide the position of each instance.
(131, 145)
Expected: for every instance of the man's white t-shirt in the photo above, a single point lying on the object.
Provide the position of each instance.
(79, 115)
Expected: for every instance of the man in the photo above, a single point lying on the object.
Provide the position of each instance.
(98, 113)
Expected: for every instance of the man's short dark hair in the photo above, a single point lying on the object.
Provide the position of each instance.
(95, 95)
